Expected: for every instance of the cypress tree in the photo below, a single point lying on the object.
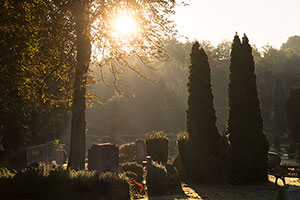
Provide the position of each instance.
(201, 120)
(201, 117)
(245, 124)
(292, 106)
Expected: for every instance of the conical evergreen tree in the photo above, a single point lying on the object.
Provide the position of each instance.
(293, 115)
(245, 124)
(201, 117)
(201, 120)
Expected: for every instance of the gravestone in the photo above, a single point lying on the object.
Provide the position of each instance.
(46, 153)
(140, 150)
(103, 157)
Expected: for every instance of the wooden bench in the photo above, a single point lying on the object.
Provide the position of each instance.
(285, 171)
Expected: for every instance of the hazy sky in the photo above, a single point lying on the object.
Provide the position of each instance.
(264, 21)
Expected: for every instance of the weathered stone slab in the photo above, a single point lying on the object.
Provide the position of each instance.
(103, 157)
(46, 153)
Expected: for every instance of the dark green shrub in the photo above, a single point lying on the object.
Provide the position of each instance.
(48, 183)
(35, 187)
(133, 167)
(282, 192)
(6, 173)
(182, 145)
(293, 113)
(129, 175)
(157, 146)
(178, 165)
(6, 176)
(113, 186)
(136, 192)
(127, 152)
(174, 181)
(157, 180)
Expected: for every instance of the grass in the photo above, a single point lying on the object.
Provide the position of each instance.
(265, 191)
(237, 195)
(288, 181)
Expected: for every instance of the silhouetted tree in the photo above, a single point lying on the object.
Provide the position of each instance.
(203, 134)
(293, 114)
(36, 59)
(245, 124)
(201, 118)
(91, 22)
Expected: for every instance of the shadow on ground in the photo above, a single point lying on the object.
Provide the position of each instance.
(263, 191)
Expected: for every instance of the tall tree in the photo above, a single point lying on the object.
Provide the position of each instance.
(93, 21)
(293, 114)
(80, 12)
(200, 115)
(245, 124)
(201, 120)
(36, 60)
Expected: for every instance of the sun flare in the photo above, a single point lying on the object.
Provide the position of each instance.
(125, 25)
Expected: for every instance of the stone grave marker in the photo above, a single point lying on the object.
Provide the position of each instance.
(103, 157)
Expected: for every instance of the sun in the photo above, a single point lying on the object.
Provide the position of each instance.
(125, 25)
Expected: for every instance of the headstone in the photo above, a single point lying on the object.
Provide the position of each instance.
(46, 153)
(140, 150)
(103, 157)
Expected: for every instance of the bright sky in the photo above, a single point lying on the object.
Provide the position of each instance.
(264, 21)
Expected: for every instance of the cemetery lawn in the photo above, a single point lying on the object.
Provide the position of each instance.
(265, 191)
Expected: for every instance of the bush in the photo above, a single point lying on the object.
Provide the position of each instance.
(157, 146)
(182, 145)
(48, 183)
(136, 189)
(129, 175)
(133, 167)
(6, 176)
(178, 165)
(6, 173)
(174, 181)
(35, 187)
(282, 192)
(208, 169)
(157, 180)
(127, 152)
(113, 186)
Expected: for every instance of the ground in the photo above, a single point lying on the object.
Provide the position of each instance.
(265, 191)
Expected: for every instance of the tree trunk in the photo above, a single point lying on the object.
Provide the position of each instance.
(78, 127)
